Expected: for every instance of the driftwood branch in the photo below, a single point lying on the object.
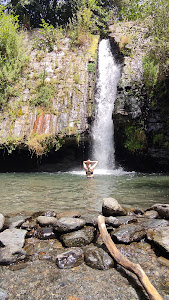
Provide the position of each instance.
(123, 261)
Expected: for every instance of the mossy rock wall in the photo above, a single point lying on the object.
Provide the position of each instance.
(141, 123)
(53, 100)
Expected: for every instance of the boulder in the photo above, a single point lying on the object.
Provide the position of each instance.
(2, 221)
(111, 207)
(12, 241)
(160, 236)
(68, 224)
(70, 259)
(78, 238)
(162, 209)
(112, 221)
(135, 232)
(151, 214)
(97, 258)
(129, 233)
(46, 221)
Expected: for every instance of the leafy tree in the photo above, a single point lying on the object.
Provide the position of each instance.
(12, 56)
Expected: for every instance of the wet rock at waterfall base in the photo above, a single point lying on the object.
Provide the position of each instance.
(2, 221)
(45, 233)
(111, 207)
(97, 258)
(70, 259)
(79, 238)
(160, 236)
(68, 224)
(162, 209)
(46, 221)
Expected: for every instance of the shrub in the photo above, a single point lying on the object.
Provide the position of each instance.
(12, 54)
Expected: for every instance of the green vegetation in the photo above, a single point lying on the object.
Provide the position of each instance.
(12, 55)
(135, 138)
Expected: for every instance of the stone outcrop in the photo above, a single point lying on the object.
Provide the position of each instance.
(140, 122)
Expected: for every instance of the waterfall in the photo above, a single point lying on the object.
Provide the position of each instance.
(106, 88)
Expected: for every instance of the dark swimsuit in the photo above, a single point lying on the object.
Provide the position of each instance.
(88, 172)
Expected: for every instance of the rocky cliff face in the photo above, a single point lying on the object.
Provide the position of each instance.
(141, 124)
(53, 102)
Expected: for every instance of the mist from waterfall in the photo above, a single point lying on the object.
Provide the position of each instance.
(106, 88)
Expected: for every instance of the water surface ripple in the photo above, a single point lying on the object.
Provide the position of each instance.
(32, 192)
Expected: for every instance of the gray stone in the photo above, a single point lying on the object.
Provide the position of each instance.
(127, 219)
(112, 221)
(46, 221)
(12, 241)
(97, 258)
(151, 214)
(129, 233)
(3, 295)
(78, 238)
(45, 233)
(2, 221)
(68, 224)
(50, 214)
(70, 259)
(15, 237)
(69, 214)
(16, 223)
(9, 255)
(135, 232)
(162, 209)
(111, 207)
(160, 236)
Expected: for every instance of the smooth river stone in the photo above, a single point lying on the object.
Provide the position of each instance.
(2, 221)
(111, 207)
(162, 209)
(46, 221)
(160, 236)
(68, 224)
(97, 258)
(79, 238)
(70, 259)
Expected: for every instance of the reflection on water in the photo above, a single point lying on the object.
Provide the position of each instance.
(67, 191)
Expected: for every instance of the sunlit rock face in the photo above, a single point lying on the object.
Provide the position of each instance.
(140, 122)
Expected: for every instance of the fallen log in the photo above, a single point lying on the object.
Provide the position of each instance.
(126, 263)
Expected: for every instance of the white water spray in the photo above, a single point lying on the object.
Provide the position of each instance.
(106, 88)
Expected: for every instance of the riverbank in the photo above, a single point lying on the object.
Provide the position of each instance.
(52, 255)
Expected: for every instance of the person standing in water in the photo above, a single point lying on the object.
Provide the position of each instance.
(89, 166)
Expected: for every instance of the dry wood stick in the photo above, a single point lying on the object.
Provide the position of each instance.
(123, 261)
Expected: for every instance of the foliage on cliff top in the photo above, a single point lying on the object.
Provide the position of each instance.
(12, 54)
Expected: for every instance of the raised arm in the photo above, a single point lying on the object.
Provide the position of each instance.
(95, 162)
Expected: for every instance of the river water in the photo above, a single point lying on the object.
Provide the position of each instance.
(30, 192)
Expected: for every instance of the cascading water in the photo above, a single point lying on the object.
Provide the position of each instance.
(106, 87)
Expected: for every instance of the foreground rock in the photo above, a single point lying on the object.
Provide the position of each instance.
(12, 241)
(111, 207)
(97, 258)
(162, 209)
(68, 224)
(135, 232)
(160, 236)
(2, 221)
(70, 259)
(78, 238)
